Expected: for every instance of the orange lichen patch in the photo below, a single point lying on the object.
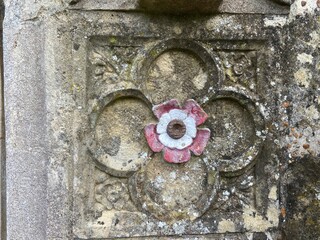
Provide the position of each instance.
(283, 212)
(306, 146)
(286, 124)
(294, 133)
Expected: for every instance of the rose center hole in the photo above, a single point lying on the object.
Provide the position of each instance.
(176, 129)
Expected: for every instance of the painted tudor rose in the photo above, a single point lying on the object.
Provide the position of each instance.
(176, 133)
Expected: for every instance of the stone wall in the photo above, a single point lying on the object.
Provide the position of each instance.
(83, 79)
(2, 139)
(302, 141)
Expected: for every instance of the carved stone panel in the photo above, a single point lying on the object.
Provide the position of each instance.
(207, 177)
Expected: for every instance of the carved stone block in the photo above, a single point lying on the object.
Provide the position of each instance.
(124, 188)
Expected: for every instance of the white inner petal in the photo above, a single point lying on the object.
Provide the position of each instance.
(163, 123)
(181, 143)
(167, 141)
(178, 114)
(191, 128)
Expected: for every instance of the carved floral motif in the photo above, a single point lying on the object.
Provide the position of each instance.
(176, 133)
(236, 193)
(240, 68)
(103, 69)
(111, 193)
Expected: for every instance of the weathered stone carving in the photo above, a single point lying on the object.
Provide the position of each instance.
(181, 63)
(103, 69)
(118, 144)
(173, 193)
(135, 183)
(110, 64)
(238, 131)
(241, 68)
(112, 194)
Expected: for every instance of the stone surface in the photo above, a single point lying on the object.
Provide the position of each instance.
(180, 6)
(2, 143)
(80, 86)
(302, 139)
(190, 61)
(26, 145)
(226, 6)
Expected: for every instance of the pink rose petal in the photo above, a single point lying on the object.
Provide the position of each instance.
(165, 107)
(176, 156)
(152, 138)
(195, 111)
(200, 142)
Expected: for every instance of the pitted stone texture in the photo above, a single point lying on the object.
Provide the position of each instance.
(179, 69)
(26, 133)
(303, 201)
(121, 145)
(176, 74)
(233, 132)
(169, 194)
(302, 139)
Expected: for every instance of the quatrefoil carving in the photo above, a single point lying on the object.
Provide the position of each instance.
(171, 192)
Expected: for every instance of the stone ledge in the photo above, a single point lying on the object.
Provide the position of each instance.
(227, 6)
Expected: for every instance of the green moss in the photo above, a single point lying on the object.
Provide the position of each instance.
(212, 177)
(113, 40)
(154, 53)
